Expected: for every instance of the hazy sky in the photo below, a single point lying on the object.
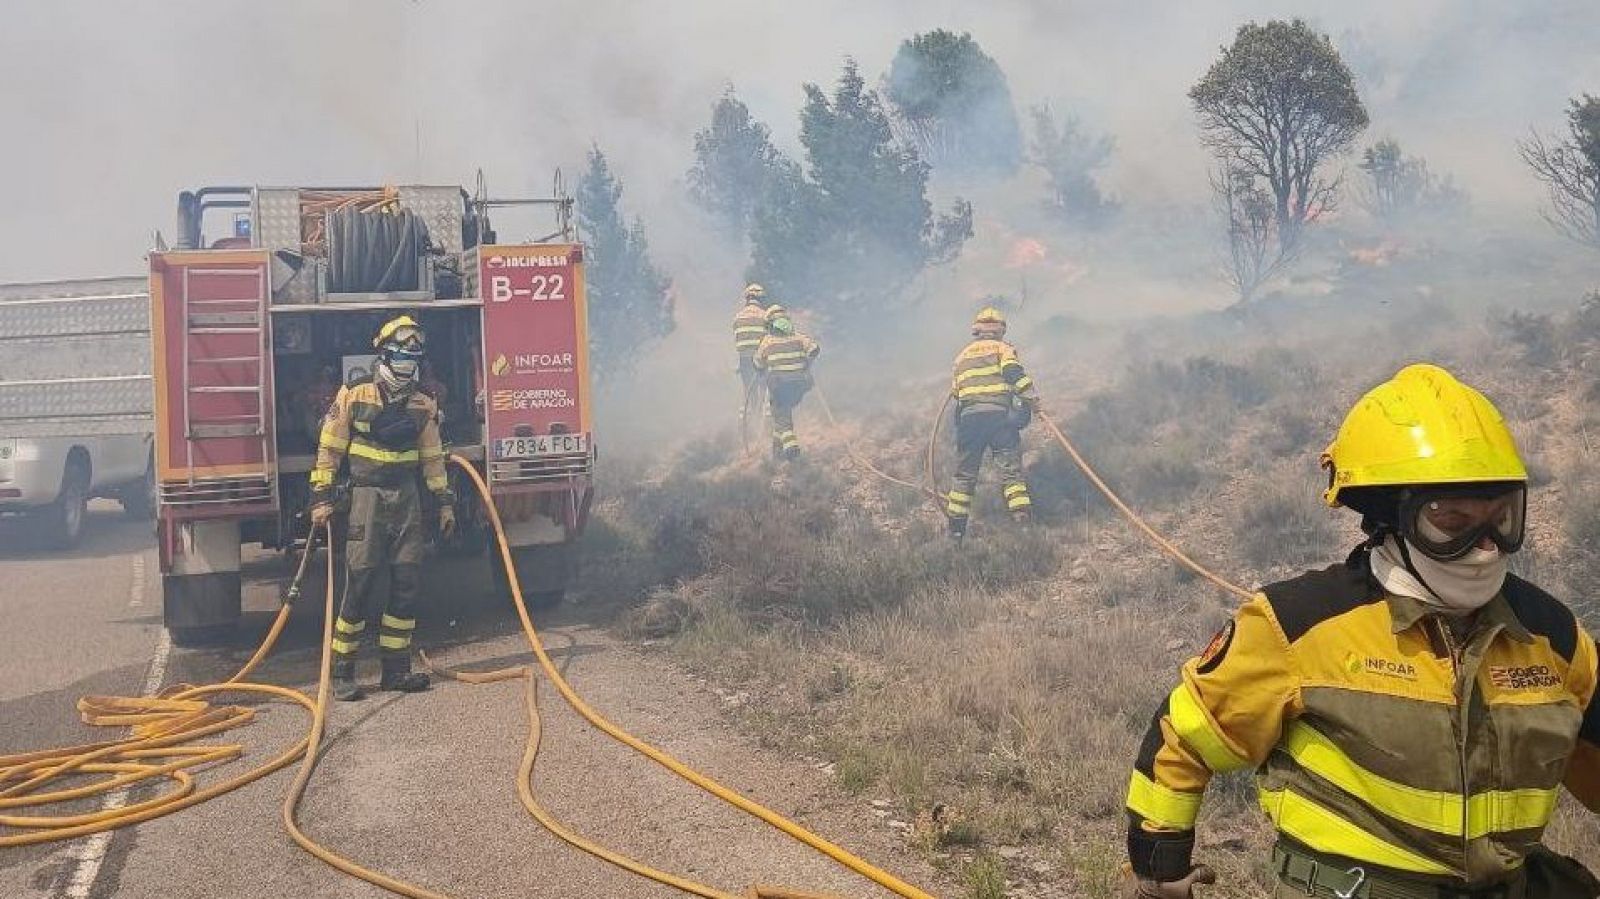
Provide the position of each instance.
(111, 107)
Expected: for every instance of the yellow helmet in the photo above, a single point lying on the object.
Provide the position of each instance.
(989, 320)
(754, 292)
(1421, 427)
(776, 311)
(395, 330)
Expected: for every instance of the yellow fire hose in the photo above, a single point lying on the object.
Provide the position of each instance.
(838, 854)
(927, 490)
(1166, 545)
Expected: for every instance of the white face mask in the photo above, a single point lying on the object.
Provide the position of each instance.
(1458, 587)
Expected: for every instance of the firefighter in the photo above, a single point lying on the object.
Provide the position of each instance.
(784, 358)
(749, 326)
(1410, 713)
(995, 399)
(388, 430)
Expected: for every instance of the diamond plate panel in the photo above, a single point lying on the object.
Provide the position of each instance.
(277, 218)
(89, 287)
(73, 357)
(123, 404)
(114, 314)
(277, 227)
(440, 209)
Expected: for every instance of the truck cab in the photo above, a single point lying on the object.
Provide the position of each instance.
(253, 334)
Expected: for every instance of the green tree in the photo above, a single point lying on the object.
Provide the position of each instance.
(1275, 109)
(733, 160)
(1570, 168)
(953, 104)
(630, 302)
(1398, 187)
(852, 230)
(1070, 156)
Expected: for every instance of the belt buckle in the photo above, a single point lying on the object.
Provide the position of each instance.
(1360, 874)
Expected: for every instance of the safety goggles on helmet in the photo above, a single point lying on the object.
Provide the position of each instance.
(1446, 523)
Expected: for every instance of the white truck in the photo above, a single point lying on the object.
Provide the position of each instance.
(75, 401)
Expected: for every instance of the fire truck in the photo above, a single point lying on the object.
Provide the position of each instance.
(254, 331)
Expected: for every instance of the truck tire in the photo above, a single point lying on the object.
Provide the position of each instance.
(63, 519)
(139, 499)
(542, 572)
(201, 609)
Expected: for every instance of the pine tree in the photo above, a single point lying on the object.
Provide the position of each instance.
(733, 160)
(630, 303)
(853, 230)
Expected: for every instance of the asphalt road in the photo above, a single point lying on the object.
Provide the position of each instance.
(420, 787)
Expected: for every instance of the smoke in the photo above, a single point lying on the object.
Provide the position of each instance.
(111, 108)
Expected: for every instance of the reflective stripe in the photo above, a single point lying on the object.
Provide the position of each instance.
(364, 427)
(1018, 502)
(957, 496)
(432, 452)
(983, 389)
(1015, 489)
(399, 624)
(784, 357)
(330, 440)
(321, 477)
(1194, 728)
(981, 372)
(344, 647)
(955, 511)
(1322, 830)
(438, 485)
(787, 367)
(349, 627)
(1024, 382)
(758, 330)
(1160, 805)
(368, 451)
(387, 641)
(1488, 812)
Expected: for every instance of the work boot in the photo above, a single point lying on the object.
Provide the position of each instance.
(958, 527)
(398, 676)
(345, 688)
(791, 453)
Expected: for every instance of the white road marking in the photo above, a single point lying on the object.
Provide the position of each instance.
(136, 592)
(92, 852)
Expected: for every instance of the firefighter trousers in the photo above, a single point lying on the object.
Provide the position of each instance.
(979, 429)
(385, 530)
(785, 394)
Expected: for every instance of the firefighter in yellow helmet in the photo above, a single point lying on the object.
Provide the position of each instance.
(749, 326)
(1410, 713)
(995, 400)
(387, 431)
(784, 358)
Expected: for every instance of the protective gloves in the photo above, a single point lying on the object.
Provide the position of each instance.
(320, 514)
(1135, 887)
(447, 520)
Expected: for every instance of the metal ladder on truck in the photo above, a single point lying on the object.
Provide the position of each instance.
(241, 312)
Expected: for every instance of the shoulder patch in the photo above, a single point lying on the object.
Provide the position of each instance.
(1543, 615)
(1216, 650)
(1302, 603)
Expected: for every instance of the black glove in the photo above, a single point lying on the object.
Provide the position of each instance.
(1021, 414)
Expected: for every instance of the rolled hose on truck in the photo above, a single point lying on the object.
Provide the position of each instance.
(166, 725)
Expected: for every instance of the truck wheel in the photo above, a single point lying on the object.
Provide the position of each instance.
(201, 609)
(63, 519)
(139, 499)
(542, 571)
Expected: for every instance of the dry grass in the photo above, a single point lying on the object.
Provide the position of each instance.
(1002, 688)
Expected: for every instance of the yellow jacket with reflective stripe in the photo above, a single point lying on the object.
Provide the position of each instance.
(346, 434)
(989, 372)
(1378, 735)
(786, 358)
(749, 326)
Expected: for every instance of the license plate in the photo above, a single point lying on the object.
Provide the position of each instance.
(541, 445)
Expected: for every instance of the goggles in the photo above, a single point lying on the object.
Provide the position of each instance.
(1446, 523)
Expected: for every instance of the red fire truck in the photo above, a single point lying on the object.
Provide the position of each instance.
(253, 333)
